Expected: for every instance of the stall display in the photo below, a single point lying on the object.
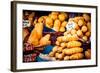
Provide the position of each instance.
(62, 35)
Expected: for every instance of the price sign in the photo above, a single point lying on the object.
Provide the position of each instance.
(26, 23)
(70, 25)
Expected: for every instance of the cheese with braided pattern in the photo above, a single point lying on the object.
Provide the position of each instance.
(72, 50)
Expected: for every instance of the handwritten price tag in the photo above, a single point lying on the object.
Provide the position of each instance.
(70, 25)
(26, 23)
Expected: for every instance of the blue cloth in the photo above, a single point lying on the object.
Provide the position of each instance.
(46, 29)
(38, 59)
(47, 49)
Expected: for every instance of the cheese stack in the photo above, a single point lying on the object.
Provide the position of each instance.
(67, 48)
(81, 26)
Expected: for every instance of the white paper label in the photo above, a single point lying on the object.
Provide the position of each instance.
(70, 25)
(26, 23)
